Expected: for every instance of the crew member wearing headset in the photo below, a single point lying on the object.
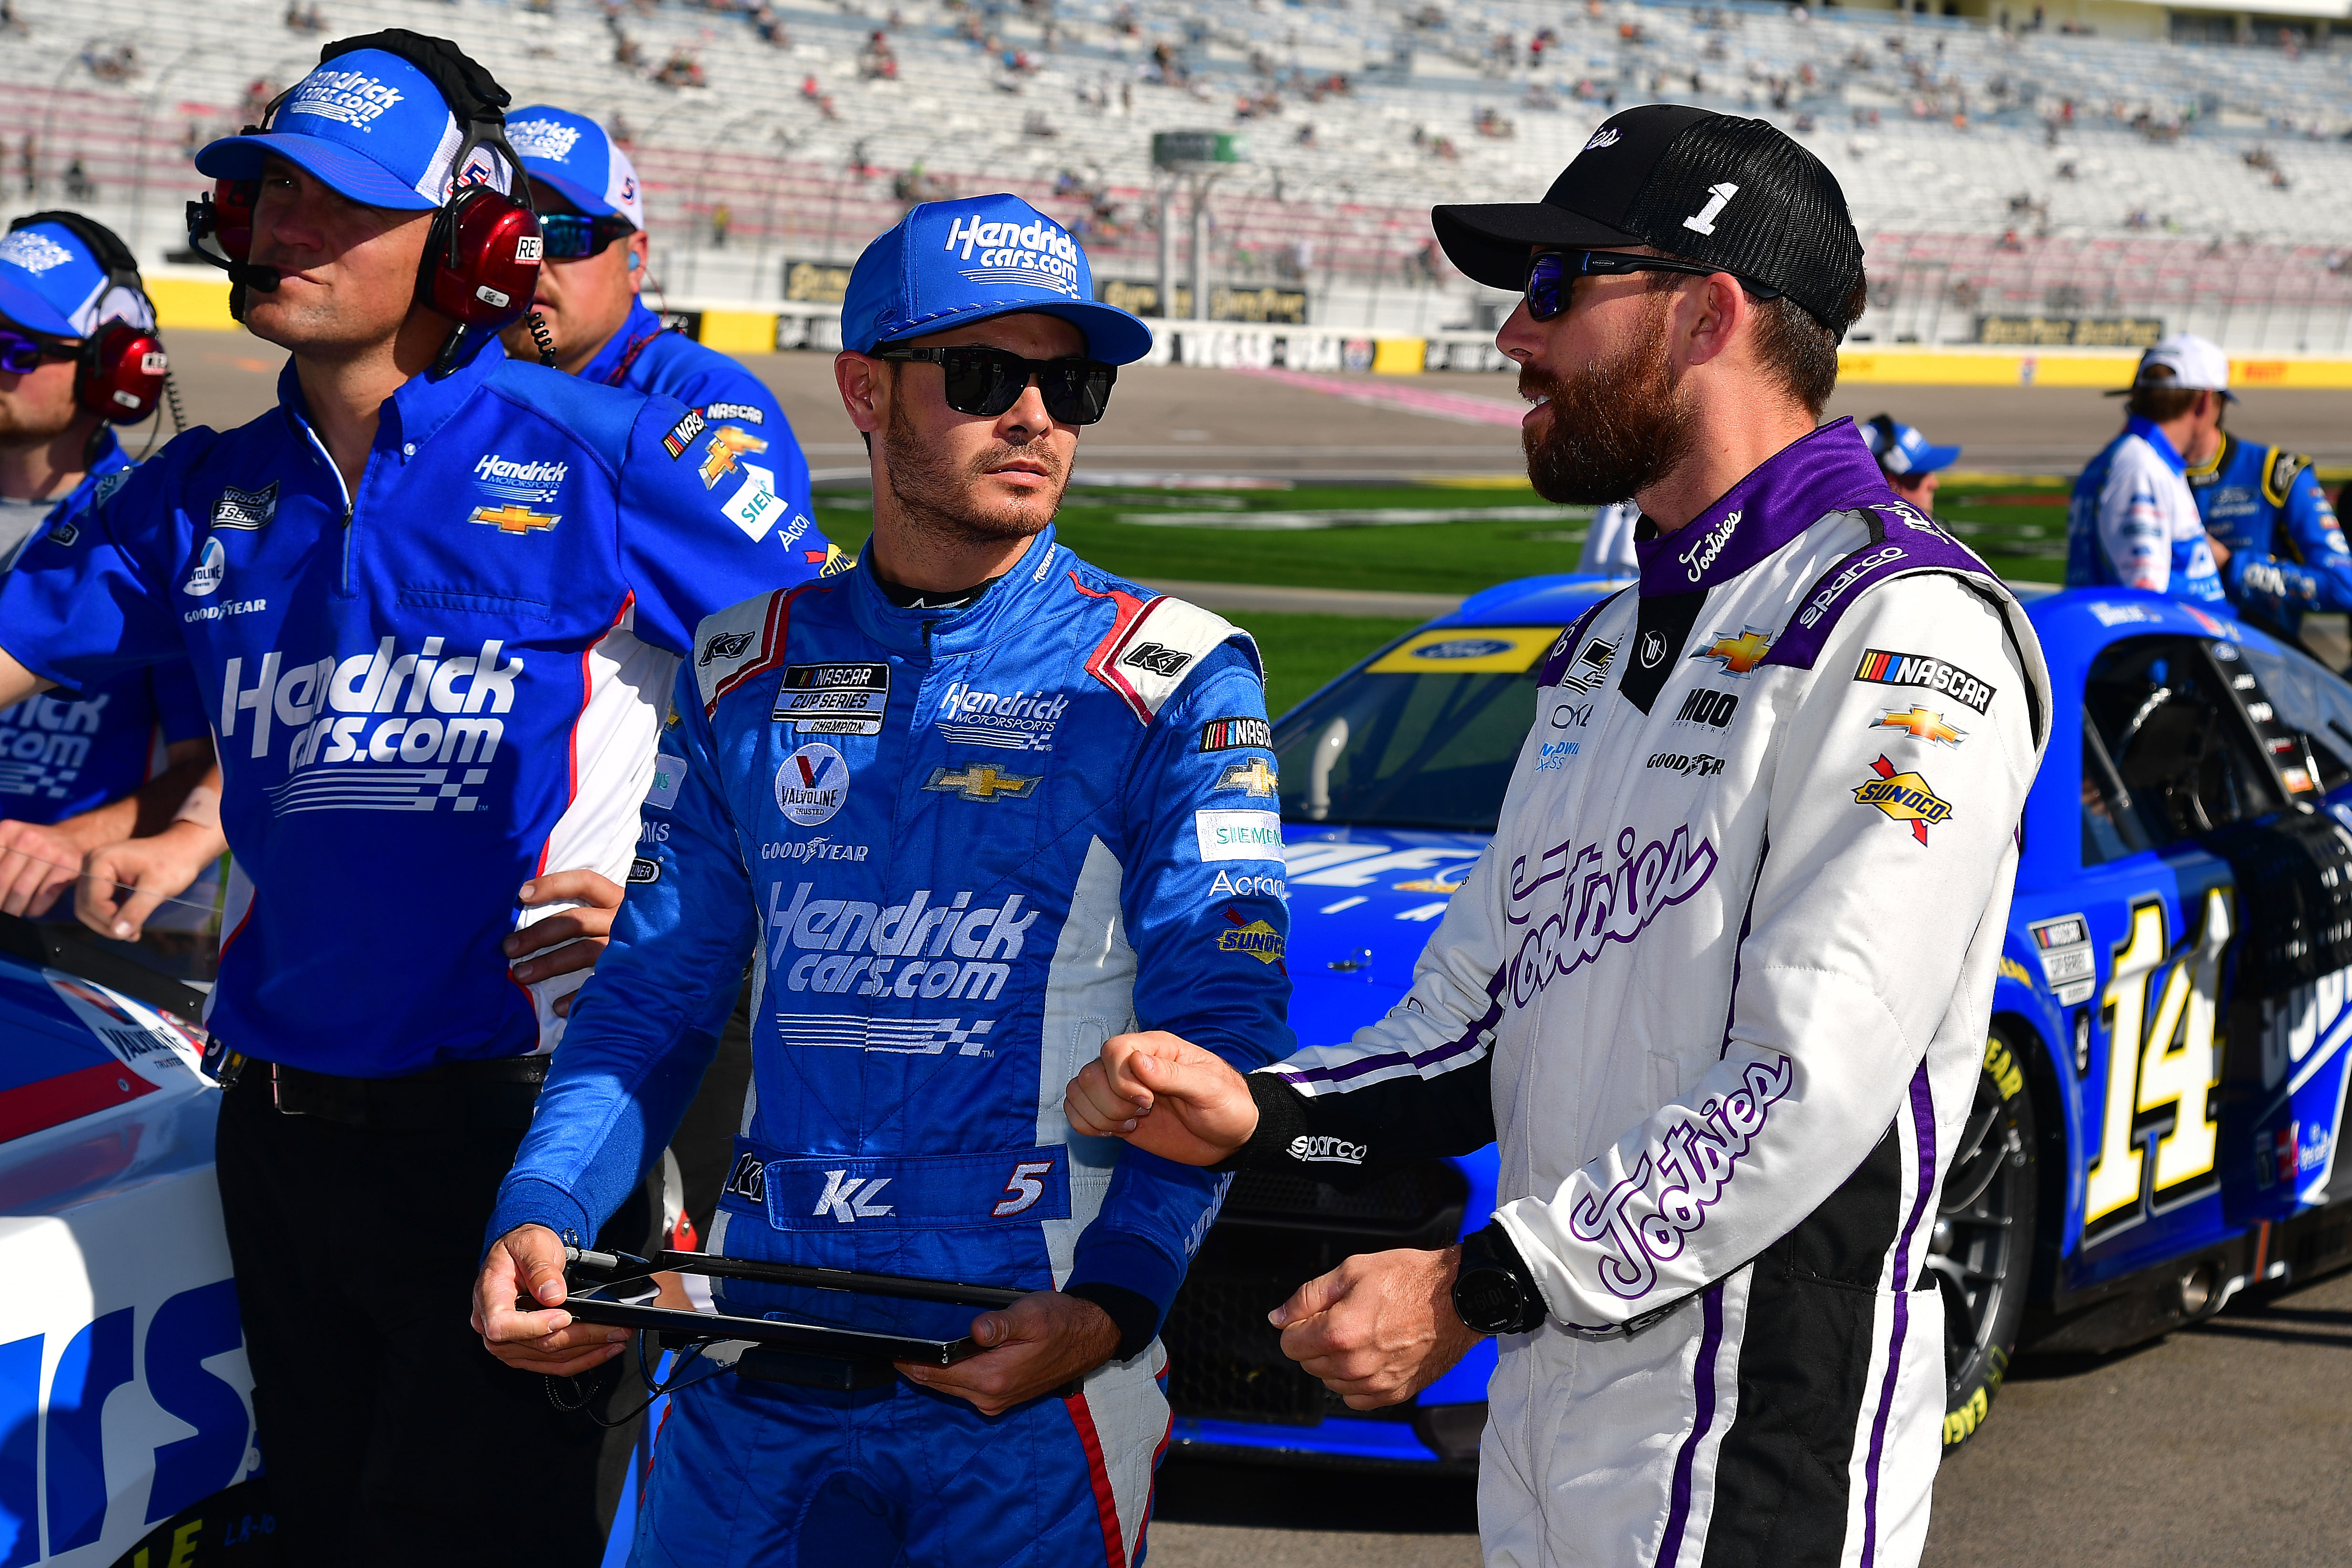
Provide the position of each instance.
(592, 210)
(433, 601)
(1913, 465)
(124, 757)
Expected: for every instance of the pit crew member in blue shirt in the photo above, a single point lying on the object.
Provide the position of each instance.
(1912, 463)
(2133, 522)
(965, 809)
(592, 208)
(2286, 554)
(431, 600)
(77, 771)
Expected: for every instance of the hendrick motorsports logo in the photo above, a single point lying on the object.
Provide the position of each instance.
(1013, 721)
(509, 480)
(352, 98)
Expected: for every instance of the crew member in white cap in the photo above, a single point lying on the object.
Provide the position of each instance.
(1911, 462)
(2133, 522)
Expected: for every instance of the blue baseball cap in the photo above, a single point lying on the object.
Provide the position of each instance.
(51, 284)
(948, 264)
(572, 152)
(371, 127)
(1901, 449)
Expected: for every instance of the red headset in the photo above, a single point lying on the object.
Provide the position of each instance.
(120, 368)
(482, 254)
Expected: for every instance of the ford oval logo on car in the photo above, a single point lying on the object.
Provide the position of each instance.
(1464, 648)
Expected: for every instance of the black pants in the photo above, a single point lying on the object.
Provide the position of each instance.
(389, 1434)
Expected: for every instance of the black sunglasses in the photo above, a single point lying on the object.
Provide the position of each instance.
(570, 235)
(21, 354)
(987, 381)
(1552, 274)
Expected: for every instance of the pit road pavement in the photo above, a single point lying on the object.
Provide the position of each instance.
(2224, 1443)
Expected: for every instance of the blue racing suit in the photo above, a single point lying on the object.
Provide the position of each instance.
(2132, 522)
(63, 754)
(960, 850)
(444, 684)
(2287, 555)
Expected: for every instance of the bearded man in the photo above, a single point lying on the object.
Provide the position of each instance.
(1725, 1021)
(966, 811)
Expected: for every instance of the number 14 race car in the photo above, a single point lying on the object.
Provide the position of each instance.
(2156, 1126)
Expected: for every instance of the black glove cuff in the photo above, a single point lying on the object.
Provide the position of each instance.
(1492, 1248)
(1281, 1117)
(1134, 1315)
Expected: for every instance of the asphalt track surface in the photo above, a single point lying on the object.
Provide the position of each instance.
(1179, 420)
(2223, 1443)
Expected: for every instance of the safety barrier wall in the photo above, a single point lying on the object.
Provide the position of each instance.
(196, 300)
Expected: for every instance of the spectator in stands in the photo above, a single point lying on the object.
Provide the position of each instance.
(418, 512)
(81, 772)
(1910, 462)
(590, 302)
(2133, 522)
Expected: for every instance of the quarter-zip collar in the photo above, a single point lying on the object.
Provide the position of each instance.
(1018, 597)
(408, 418)
(1828, 471)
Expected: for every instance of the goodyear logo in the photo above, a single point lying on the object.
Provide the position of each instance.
(1255, 938)
(1906, 798)
(513, 518)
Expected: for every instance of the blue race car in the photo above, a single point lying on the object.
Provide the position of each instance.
(2156, 1125)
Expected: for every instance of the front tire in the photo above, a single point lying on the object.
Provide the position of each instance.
(1981, 1254)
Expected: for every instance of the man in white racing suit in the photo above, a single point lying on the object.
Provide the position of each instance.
(1719, 987)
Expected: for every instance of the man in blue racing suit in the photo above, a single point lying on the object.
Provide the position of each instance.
(966, 810)
(2132, 521)
(2286, 554)
(432, 600)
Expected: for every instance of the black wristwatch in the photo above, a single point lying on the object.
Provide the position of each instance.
(1494, 1291)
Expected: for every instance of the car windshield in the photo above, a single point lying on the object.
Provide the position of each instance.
(1424, 736)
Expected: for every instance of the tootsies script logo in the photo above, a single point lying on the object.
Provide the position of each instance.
(1644, 1220)
(917, 949)
(433, 711)
(1599, 904)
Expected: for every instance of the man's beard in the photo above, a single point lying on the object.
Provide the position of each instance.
(1613, 429)
(937, 498)
(24, 423)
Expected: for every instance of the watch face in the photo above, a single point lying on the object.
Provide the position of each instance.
(1487, 1299)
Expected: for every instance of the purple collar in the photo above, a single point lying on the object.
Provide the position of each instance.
(1796, 487)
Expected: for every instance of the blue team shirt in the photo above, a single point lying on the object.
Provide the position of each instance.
(425, 692)
(67, 753)
(2133, 523)
(2287, 554)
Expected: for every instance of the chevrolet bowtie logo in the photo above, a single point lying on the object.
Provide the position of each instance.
(1739, 654)
(1252, 776)
(725, 446)
(1922, 725)
(513, 518)
(981, 781)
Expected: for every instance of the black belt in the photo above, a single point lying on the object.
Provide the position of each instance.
(499, 1094)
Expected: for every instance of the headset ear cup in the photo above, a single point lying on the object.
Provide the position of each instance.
(119, 374)
(481, 259)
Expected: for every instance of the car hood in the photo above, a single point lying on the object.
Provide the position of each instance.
(1362, 903)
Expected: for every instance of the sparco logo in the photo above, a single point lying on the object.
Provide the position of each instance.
(1644, 1220)
(1327, 1150)
(1832, 591)
(1700, 556)
(726, 645)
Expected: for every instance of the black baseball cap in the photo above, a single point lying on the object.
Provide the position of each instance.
(1736, 194)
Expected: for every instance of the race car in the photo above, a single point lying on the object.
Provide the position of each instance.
(126, 1422)
(2156, 1125)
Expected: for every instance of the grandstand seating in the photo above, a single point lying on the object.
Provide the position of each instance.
(1986, 171)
